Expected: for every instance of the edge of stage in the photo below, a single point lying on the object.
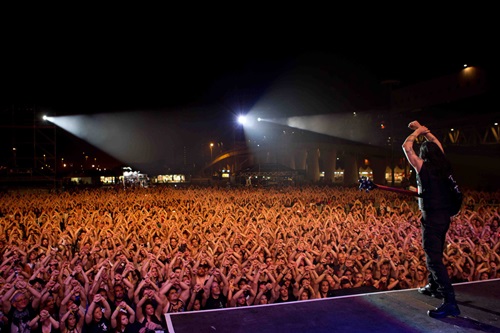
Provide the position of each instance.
(389, 311)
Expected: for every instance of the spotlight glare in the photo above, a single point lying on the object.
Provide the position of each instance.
(242, 120)
(44, 117)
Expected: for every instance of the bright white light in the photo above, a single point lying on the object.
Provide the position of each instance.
(259, 119)
(242, 120)
(48, 118)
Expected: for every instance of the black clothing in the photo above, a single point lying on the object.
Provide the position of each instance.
(2, 325)
(213, 303)
(18, 320)
(434, 228)
(177, 307)
(103, 326)
(445, 310)
(435, 204)
(435, 190)
(155, 320)
(290, 298)
(329, 293)
(131, 328)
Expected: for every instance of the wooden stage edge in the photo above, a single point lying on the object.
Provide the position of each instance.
(387, 311)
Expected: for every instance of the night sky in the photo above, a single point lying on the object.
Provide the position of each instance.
(75, 65)
(207, 73)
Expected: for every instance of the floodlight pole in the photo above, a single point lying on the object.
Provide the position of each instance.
(211, 160)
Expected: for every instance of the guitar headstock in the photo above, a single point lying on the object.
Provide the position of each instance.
(366, 184)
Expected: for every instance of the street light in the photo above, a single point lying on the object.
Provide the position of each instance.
(211, 159)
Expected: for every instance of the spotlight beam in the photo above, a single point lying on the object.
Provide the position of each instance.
(352, 127)
(347, 126)
(48, 118)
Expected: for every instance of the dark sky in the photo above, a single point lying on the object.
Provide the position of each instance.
(102, 66)
(215, 67)
(143, 76)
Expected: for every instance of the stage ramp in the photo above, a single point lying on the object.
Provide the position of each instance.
(393, 311)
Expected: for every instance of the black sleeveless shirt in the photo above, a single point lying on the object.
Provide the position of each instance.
(434, 192)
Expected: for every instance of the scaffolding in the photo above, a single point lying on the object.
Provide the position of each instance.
(31, 141)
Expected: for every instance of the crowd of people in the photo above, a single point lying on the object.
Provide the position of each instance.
(115, 260)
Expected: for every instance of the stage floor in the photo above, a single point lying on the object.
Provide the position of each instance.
(393, 311)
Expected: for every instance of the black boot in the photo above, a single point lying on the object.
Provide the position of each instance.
(430, 291)
(449, 308)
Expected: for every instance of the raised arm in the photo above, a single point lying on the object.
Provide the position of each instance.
(415, 161)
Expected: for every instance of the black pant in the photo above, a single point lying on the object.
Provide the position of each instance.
(434, 227)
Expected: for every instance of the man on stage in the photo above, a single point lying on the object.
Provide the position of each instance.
(433, 169)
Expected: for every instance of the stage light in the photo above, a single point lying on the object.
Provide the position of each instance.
(242, 120)
(48, 118)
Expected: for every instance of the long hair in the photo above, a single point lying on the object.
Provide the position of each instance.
(119, 326)
(146, 303)
(430, 152)
(77, 319)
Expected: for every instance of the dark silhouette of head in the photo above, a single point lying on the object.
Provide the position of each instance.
(430, 152)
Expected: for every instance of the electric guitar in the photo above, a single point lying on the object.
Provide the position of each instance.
(367, 185)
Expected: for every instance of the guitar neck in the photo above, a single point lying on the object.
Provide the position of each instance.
(397, 190)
